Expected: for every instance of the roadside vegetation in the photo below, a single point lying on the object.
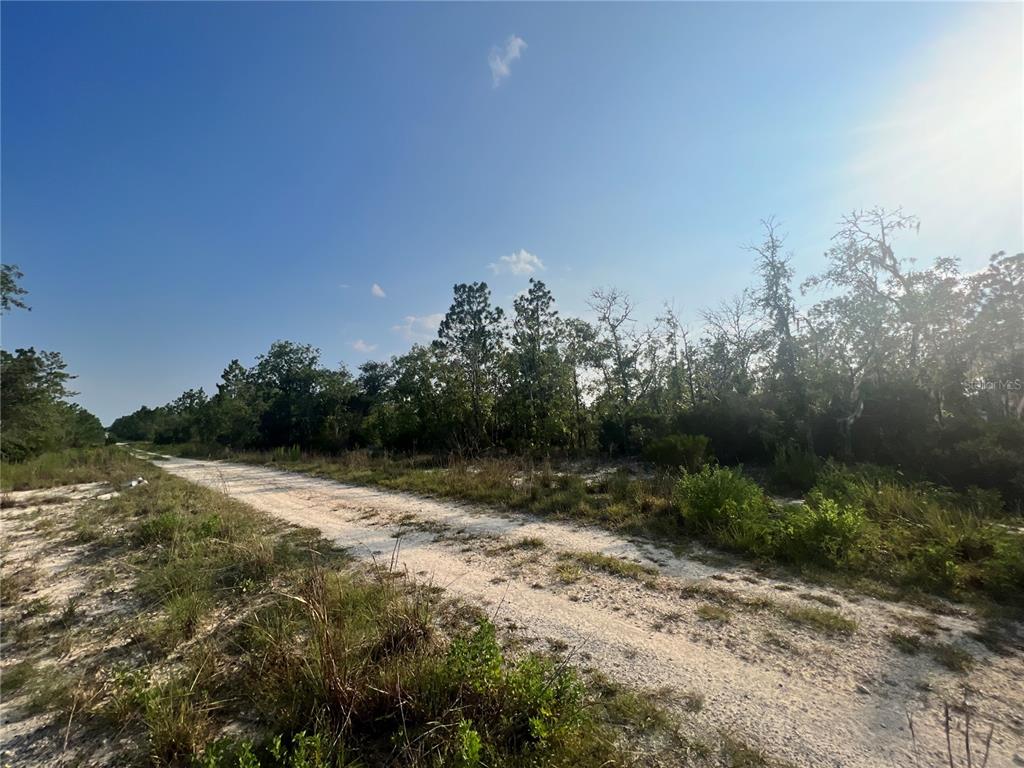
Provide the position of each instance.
(862, 524)
(243, 642)
(69, 466)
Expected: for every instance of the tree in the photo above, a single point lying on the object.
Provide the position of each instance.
(680, 383)
(34, 413)
(862, 262)
(578, 342)
(614, 310)
(995, 335)
(470, 342)
(536, 374)
(10, 290)
(735, 336)
(776, 301)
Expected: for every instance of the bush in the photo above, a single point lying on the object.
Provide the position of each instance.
(794, 468)
(717, 496)
(675, 451)
(740, 427)
(823, 533)
(928, 537)
(526, 707)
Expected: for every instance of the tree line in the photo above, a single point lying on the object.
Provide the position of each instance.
(36, 414)
(918, 367)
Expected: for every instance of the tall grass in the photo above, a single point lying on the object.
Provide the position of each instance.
(73, 465)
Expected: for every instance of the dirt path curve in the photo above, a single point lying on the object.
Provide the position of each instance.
(691, 631)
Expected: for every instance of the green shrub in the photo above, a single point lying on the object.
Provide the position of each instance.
(526, 707)
(715, 497)
(933, 566)
(823, 533)
(688, 452)
(928, 537)
(794, 468)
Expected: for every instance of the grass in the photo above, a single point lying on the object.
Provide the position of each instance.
(16, 678)
(831, 602)
(952, 657)
(616, 566)
(905, 643)
(325, 661)
(12, 585)
(525, 544)
(820, 620)
(568, 572)
(861, 526)
(530, 542)
(78, 465)
(713, 613)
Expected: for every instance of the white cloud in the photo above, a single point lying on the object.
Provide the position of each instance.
(361, 346)
(522, 262)
(344, 286)
(377, 291)
(500, 59)
(419, 328)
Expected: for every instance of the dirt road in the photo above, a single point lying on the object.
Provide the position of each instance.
(745, 645)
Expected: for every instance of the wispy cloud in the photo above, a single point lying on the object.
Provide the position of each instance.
(501, 57)
(344, 286)
(522, 262)
(361, 346)
(377, 291)
(419, 327)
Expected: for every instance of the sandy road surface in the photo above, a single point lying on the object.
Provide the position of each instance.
(804, 696)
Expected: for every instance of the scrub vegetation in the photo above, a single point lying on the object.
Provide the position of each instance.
(859, 524)
(243, 642)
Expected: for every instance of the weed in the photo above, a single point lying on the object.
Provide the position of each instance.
(952, 657)
(692, 702)
(568, 573)
(778, 641)
(861, 524)
(794, 469)
(530, 542)
(526, 543)
(13, 585)
(906, 643)
(686, 452)
(714, 613)
(736, 753)
(16, 678)
(820, 620)
(831, 602)
(70, 466)
(69, 614)
(615, 566)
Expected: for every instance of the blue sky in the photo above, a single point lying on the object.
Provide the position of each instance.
(185, 183)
